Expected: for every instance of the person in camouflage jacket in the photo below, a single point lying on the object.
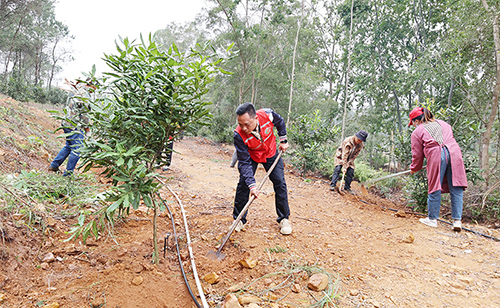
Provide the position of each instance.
(344, 159)
(74, 126)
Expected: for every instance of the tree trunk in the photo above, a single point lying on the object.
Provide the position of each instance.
(450, 94)
(241, 91)
(347, 72)
(400, 127)
(54, 63)
(330, 78)
(12, 47)
(292, 78)
(486, 135)
(254, 82)
(38, 64)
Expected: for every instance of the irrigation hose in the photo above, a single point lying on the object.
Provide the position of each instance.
(446, 222)
(190, 249)
(179, 253)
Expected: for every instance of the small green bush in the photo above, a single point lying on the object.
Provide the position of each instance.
(417, 192)
(363, 172)
(218, 130)
(311, 138)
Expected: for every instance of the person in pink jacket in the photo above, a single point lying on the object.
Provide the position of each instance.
(433, 139)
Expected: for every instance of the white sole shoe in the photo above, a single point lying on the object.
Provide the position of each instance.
(286, 227)
(430, 222)
(457, 225)
(239, 227)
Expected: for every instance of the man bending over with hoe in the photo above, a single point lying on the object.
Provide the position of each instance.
(344, 159)
(255, 143)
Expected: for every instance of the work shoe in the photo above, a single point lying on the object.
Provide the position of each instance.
(430, 222)
(52, 169)
(457, 225)
(239, 227)
(286, 227)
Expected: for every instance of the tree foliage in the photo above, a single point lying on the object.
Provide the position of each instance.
(146, 100)
(30, 46)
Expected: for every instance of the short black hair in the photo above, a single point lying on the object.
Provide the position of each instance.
(246, 108)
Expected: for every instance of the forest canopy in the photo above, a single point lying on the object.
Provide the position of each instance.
(329, 67)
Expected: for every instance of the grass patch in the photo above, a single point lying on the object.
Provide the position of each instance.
(276, 249)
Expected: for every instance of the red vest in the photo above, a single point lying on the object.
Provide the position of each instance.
(260, 151)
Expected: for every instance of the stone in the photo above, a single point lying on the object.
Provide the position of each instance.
(457, 285)
(49, 258)
(51, 221)
(137, 267)
(252, 305)
(45, 266)
(354, 292)
(53, 305)
(2, 297)
(122, 253)
(296, 288)
(268, 281)
(137, 280)
(376, 304)
(17, 216)
(231, 301)
(272, 297)
(410, 238)
(235, 287)
(400, 213)
(211, 278)
(465, 279)
(318, 282)
(247, 299)
(98, 302)
(248, 263)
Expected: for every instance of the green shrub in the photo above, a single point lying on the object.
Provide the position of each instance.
(363, 172)
(311, 138)
(219, 130)
(19, 89)
(417, 191)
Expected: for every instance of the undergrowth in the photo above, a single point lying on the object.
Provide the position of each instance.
(32, 196)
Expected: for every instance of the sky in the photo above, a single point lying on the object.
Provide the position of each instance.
(96, 25)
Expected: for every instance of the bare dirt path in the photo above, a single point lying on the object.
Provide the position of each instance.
(365, 244)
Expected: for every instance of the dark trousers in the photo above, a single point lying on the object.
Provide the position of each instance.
(349, 175)
(170, 146)
(277, 177)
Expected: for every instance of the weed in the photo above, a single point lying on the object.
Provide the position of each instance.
(35, 140)
(276, 249)
(288, 274)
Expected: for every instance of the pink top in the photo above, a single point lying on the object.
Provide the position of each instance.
(423, 145)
